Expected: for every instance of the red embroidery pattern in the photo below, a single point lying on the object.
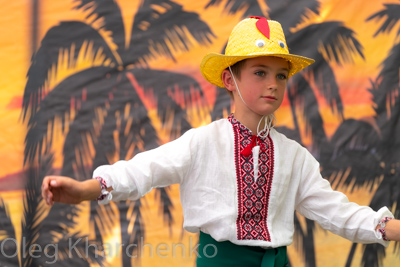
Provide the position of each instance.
(253, 195)
(102, 187)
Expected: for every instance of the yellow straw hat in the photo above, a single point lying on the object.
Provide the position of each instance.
(252, 37)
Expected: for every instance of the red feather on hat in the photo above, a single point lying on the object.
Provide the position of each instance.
(262, 25)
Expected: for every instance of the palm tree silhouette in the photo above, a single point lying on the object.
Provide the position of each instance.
(8, 257)
(102, 109)
(35, 248)
(368, 154)
(325, 42)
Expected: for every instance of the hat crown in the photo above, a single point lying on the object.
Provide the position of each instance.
(256, 35)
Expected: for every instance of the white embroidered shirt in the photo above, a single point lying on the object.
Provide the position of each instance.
(221, 196)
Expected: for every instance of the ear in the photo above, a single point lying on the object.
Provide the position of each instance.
(227, 79)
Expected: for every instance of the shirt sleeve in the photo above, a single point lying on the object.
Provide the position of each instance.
(316, 200)
(159, 167)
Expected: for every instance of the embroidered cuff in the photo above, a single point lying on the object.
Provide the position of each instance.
(104, 193)
(382, 230)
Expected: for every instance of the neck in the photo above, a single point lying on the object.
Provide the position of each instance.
(251, 122)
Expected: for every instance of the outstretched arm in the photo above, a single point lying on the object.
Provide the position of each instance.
(69, 191)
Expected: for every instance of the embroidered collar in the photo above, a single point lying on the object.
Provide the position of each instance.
(255, 140)
(243, 129)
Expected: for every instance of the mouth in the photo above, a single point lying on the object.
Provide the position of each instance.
(270, 98)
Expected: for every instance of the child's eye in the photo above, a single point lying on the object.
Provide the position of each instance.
(281, 76)
(260, 73)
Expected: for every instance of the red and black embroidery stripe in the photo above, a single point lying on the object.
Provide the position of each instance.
(253, 194)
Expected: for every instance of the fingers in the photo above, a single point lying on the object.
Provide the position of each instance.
(54, 183)
(49, 182)
(46, 193)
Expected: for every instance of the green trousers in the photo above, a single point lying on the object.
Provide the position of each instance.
(223, 254)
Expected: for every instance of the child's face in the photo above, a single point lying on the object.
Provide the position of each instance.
(262, 84)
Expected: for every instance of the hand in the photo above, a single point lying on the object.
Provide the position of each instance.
(67, 190)
(393, 230)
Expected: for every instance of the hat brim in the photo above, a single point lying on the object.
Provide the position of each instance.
(213, 64)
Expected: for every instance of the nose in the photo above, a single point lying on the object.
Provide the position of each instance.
(272, 83)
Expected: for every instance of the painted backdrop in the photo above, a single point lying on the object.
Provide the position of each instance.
(85, 83)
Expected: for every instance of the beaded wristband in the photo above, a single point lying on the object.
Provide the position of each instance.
(103, 188)
(382, 230)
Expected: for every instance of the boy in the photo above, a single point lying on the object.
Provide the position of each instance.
(240, 180)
